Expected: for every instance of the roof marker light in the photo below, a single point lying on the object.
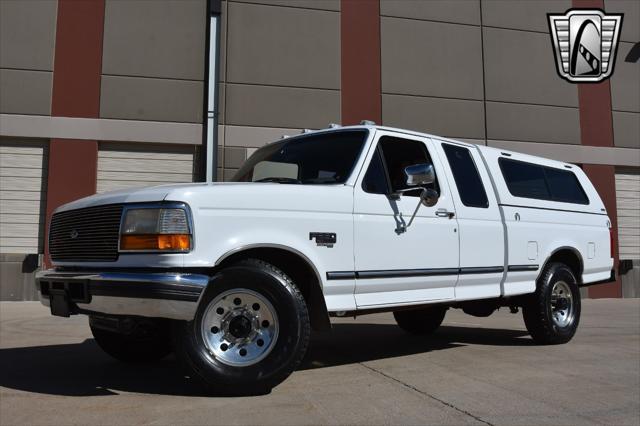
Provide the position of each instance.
(368, 123)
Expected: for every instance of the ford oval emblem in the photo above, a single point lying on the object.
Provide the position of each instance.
(74, 234)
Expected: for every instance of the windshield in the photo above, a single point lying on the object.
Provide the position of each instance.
(325, 158)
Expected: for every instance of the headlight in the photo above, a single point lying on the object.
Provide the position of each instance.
(155, 229)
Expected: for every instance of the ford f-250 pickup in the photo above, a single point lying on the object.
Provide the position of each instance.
(345, 221)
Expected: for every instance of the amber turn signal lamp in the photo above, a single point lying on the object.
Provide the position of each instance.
(170, 242)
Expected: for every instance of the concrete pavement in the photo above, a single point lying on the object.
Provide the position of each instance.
(367, 371)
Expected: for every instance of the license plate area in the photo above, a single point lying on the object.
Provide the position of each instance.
(59, 302)
(63, 294)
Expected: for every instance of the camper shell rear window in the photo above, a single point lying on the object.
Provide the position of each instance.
(539, 182)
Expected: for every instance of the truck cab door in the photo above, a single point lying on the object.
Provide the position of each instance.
(395, 265)
(480, 227)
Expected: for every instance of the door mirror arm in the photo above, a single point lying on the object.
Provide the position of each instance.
(418, 175)
(428, 197)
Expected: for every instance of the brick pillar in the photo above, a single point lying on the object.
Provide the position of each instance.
(603, 178)
(76, 93)
(596, 129)
(360, 61)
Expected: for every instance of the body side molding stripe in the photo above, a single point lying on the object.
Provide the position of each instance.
(404, 273)
(554, 210)
(341, 275)
(521, 268)
(482, 270)
(400, 273)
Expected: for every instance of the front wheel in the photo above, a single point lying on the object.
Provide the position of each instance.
(140, 341)
(250, 332)
(552, 313)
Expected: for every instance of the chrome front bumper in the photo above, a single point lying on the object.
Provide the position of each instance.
(170, 295)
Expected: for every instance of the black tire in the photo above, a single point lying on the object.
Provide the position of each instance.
(544, 318)
(287, 349)
(150, 341)
(420, 321)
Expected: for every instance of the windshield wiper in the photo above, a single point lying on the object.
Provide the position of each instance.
(278, 180)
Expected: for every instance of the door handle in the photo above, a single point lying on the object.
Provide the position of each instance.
(445, 213)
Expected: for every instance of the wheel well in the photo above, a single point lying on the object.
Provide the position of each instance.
(302, 274)
(570, 258)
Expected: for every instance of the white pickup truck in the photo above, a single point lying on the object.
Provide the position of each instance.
(344, 221)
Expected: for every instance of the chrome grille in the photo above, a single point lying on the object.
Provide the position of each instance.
(86, 235)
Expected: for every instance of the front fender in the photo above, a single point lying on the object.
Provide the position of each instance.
(220, 233)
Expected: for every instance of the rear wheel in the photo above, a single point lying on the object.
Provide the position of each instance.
(420, 321)
(552, 313)
(140, 340)
(250, 332)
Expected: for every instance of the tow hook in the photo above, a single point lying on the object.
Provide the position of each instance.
(513, 309)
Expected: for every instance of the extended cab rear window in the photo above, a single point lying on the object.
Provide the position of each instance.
(539, 182)
(466, 176)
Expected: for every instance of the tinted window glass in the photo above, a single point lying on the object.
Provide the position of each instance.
(542, 182)
(375, 181)
(564, 186)
(524, 179)
(325, 158)
(400, 153)
(465, 174)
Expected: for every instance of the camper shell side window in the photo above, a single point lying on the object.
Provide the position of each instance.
(529, 180)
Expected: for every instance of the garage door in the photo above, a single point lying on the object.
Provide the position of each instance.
(134, 165)
(628, 206)
(22, 196)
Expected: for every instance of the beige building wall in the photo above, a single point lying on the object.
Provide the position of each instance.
(279, 73)
(153, 60)
(625, 82)
(153, 72)
(477, 70)
(27, 39)
(484, 71)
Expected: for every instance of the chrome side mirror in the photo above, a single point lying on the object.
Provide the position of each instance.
(429, 197)
(420, 174)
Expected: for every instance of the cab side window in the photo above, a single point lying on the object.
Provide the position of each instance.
(375, 181)
(392, 156)
(466, 176)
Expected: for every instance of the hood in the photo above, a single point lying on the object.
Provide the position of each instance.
(255, 197)
(130, 195)
(231, 195)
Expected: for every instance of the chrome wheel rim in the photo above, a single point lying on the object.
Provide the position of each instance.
(562, 306)
(239, 327)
